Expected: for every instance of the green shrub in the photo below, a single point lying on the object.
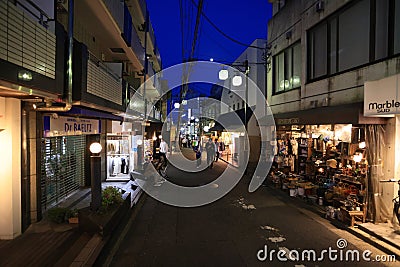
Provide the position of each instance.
(110, 196)
(57, 214)
(61, 215)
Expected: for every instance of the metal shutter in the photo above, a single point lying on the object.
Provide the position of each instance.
(62, 168)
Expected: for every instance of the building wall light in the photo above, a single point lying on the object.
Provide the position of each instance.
(24, 75)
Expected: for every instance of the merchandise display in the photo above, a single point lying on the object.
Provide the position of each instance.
(118, 157)
(325, 164)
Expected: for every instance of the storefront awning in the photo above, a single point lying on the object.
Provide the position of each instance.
(343, 114)
(91, 113)
(232, 120)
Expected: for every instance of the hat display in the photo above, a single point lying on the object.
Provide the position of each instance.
(332, 163)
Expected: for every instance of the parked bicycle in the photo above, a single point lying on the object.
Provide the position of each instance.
(160, 166)
(396, 200)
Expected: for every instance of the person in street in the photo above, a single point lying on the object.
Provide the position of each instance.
(216, 143)
(163, 150)
(198, 157)
(184, 142)
(210, 149)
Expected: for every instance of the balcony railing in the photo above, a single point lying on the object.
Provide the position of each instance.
(26, 42)
(137, 47)
(116, 9)
(102, 82)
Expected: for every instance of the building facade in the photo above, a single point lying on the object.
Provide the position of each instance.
(68, 70)
(324, 58)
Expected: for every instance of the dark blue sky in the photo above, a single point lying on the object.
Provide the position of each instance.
(241, 20)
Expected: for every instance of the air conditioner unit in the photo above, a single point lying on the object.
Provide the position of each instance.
(319, 6)
(125, 68)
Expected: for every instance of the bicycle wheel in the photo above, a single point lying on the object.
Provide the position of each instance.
(163, 171)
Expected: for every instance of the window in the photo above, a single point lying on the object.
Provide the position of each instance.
(287, 70)
(242, 103)
(277, 6)
(234, 107)
(353, 36)
(396, 30)
(363, 32)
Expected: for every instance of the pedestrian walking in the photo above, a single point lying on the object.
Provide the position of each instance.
(210, 149)
(216, 143)
(184, 142)
(198, 157)
(163, 150)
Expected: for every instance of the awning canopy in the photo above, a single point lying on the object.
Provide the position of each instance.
(233, 120)
(75, 110)
(343, 114)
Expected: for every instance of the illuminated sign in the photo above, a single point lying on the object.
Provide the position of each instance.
(381, 97)
(59, 126)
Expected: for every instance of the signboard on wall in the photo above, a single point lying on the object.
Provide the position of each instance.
(381, 97)
(60, 126)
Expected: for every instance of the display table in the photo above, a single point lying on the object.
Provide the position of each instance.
(354, 214)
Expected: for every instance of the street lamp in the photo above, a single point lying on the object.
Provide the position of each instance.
(95, 178)
(237, 81)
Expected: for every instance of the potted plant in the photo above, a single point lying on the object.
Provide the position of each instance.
(72, 216)
(62, 215)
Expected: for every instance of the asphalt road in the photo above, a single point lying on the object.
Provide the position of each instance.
(228, 233)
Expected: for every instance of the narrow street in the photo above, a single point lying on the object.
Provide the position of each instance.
(230, 232)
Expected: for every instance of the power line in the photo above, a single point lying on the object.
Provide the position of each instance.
(224, 34)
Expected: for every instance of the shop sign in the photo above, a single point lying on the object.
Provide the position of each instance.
(59, 125)
(287, 121)
(381, 98)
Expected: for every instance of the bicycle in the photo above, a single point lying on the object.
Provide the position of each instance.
(396, 200)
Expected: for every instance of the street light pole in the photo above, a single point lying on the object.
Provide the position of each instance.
(247, 70)
(237, 81)
(95, 171)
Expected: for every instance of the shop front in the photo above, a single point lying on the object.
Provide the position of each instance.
(382, 100)
(63, 156)
(326, 155)
(231, 135)
(125, 144)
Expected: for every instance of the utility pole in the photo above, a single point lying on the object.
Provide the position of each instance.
(186, 72)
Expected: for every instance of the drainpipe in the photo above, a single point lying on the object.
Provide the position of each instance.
(68, 93)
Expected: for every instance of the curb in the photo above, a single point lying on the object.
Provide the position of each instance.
(112, 244)
(358, 230)
(377, 241)
(93, 248)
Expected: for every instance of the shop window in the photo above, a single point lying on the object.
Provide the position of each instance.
(277, 6)
(361, 33)
(287, 69)
(397, 28)
(353, 36)
(382, 29)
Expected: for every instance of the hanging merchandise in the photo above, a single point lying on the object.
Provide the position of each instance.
(118, 157)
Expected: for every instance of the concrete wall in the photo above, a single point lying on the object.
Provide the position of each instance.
(256, 74)
(297, 17)
(10, 177)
